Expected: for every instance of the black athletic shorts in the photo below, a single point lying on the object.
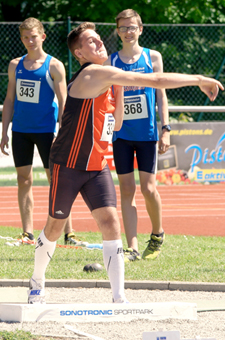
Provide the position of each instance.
(96, 187)
(23, 147)
(146, 154)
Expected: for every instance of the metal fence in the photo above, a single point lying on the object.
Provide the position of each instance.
(194, 49)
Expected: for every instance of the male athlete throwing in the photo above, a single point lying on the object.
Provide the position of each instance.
(77, 161)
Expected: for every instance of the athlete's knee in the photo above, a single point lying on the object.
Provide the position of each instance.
(110, 229)
(54, 228)
(24, 180)
(127, 189)
(149, 191)
(107, 220)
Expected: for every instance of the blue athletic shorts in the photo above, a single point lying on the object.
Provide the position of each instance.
(96, 187)
(146, 154)
(23, 147)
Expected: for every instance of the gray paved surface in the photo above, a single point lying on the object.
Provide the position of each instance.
(210, 307)
(15, 291)
(161, 285)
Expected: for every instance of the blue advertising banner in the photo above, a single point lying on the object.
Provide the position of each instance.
(197, 151)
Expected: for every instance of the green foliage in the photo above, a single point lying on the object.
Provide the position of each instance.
(193, 49)
(151, 11)
(197, 49)
(181, 118)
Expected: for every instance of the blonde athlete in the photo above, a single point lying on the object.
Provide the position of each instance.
(36, 80)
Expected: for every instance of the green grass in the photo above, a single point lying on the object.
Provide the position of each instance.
(22, 335)
(8, 177)
(183, 258)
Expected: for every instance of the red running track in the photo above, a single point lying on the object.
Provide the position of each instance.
(186, 210)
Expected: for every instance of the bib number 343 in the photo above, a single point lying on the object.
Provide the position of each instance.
(28, 90)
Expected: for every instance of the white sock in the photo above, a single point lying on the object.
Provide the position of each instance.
(114, 264)
(44, 250)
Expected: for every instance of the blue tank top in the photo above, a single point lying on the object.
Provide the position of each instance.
(139, 122)
(35, 106)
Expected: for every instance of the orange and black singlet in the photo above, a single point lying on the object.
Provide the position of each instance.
(80, 143)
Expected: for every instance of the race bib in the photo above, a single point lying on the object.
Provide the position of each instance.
(108, 127)
(28, 90)
(135, 107)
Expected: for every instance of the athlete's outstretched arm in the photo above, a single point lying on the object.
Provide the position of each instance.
(96, 79)
(116, 76)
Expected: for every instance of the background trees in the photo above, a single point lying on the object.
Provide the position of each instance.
(190, 34)
(151, 11)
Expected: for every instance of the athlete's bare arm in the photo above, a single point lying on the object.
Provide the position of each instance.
(96, 79)
(119, 97)
(58, 75)
(207, 85)
(8, 105)
(119, 109)
(162, 103)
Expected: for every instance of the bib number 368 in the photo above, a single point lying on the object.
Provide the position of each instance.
(132, 108)
(135, 107)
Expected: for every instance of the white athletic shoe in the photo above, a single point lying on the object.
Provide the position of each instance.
(121, 300)
(36, 293)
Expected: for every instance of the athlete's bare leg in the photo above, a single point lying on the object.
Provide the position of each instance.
(152, 200)
(129, 210)
(25, 197)
(108, 222)
(54, 228)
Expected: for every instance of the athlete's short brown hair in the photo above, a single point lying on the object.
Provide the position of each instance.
(31, 23)
(127, 14)
(73, 40)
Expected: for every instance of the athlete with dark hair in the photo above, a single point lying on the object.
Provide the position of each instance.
(77, 156)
